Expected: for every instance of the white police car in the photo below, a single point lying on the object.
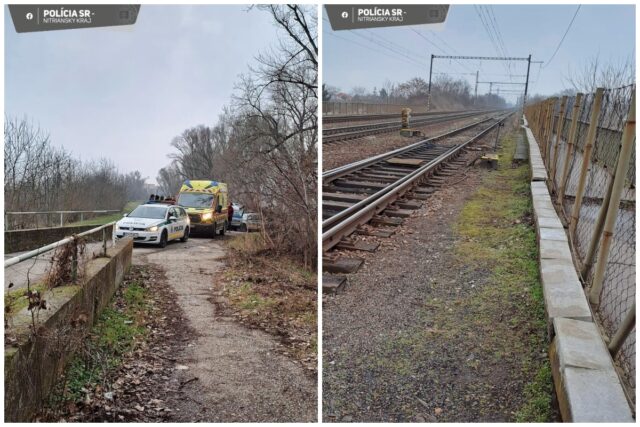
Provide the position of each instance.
(155, 223)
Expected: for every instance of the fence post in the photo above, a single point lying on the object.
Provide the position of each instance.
(628, 138)
(104, 241)
(559, 127)
(549, 132)
(586, 160)
(61, 223)
(623, 331)
(597, 232)
(570, 143)
(74, 260)
(548, 125)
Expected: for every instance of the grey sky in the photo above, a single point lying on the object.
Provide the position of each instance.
(604, 30)
(124, 93)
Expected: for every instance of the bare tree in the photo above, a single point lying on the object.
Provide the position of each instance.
(42, 177)
(595, 74)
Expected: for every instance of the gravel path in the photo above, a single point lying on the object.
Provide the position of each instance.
(241, 373)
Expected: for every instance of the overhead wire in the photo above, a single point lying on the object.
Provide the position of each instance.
(563, 37)
(397, 56)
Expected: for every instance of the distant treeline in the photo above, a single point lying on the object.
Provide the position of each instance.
(446, 93)
(39, 176)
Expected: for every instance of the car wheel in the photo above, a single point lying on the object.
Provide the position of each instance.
(214, 230)
(163, 239)
(243, 228)
(185, 236)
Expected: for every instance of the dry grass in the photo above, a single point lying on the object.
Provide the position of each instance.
(271, 293)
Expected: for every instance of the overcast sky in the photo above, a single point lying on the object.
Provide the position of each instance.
(361, 59)
(123, 93)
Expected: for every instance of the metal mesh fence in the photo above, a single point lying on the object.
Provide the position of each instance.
(618, 289)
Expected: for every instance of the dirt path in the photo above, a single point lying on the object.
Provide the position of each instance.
(422, 335)
(241, 375)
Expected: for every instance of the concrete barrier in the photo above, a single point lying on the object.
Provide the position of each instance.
(27, 240)
(585, 379)
(33, 365)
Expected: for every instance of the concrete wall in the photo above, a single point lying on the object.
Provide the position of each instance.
(587, 385)
(33, 365)
(27, 240)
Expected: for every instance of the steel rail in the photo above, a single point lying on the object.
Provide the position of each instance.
(364, 210)
(355, 128)
(340, 171)
(365, 117)
(376, 129)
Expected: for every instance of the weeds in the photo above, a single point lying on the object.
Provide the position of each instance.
(496, 234)
(275, 294)
(114, 334)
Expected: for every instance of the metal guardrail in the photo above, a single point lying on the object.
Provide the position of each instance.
(52, 246)
(62, 213)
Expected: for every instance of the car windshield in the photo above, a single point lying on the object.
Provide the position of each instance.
(195, 200)
(150, 212)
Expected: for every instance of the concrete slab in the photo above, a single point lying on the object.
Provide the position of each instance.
(542, 202)
(554, 249)
(545, 212)
(548, 222)
(579, 345)
(589, 389)
(594, 396)
(539, 190)
(552, 234)
(565, 300)
(557, 271)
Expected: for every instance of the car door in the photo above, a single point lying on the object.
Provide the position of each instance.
(173, 224)
(183, 219)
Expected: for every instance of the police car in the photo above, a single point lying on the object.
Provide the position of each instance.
(155, 224)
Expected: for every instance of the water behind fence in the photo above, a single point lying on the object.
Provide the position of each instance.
(581, 140)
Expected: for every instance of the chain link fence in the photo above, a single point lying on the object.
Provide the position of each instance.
(582, 161)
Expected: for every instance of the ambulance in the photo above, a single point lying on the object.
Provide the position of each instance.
(206, 203)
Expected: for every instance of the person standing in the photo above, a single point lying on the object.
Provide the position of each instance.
(229, 213)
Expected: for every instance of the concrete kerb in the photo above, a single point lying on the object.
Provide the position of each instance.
(590, 387)
(33, 365)
(585, 379)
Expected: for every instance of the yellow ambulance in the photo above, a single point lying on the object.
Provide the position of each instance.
(207, 203)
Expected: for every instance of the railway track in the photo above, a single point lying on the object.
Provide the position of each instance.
(333, 135)
(369, 117)
(375, 189)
